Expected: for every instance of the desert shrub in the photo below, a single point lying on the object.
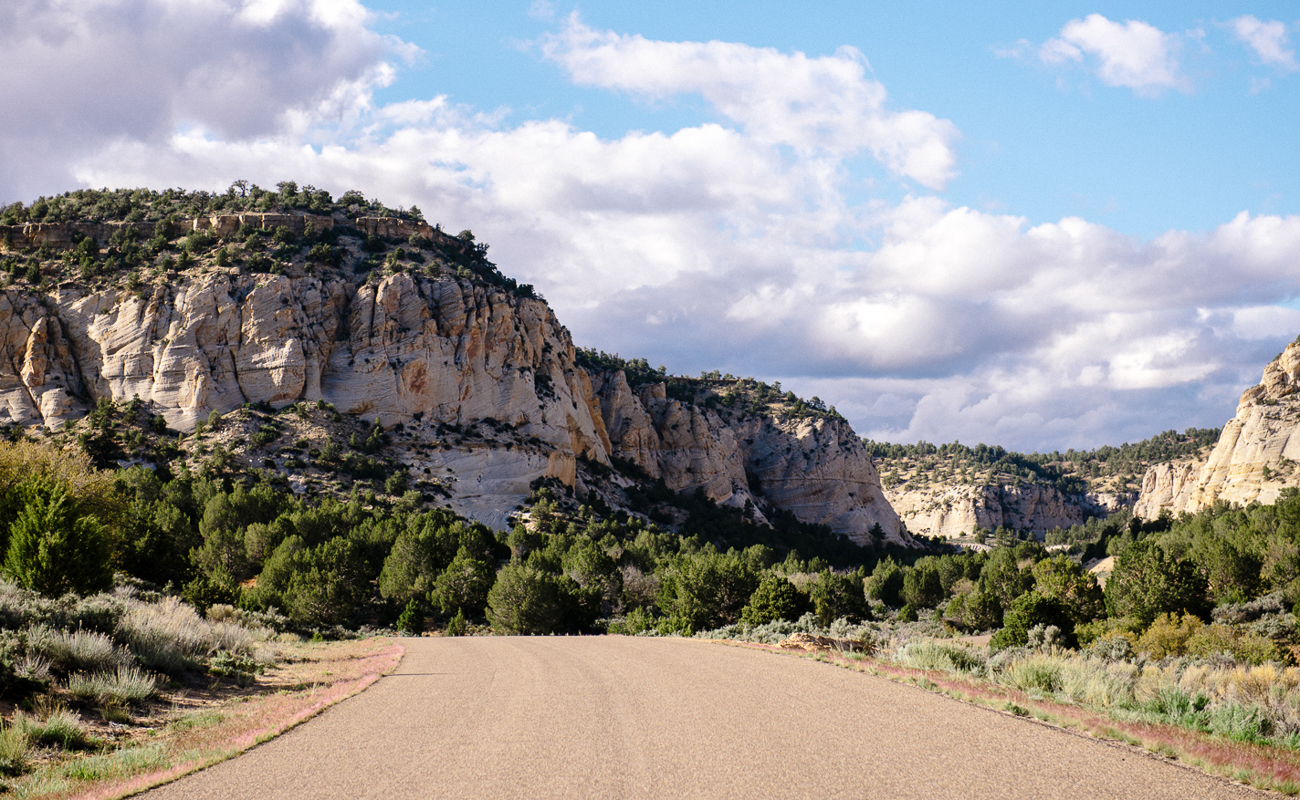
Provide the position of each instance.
(1179, 707)
(243, 669)
(1147, 582)
(169, 636)
(1111, 648)
(54, 725)
(69, 651)
(1240, 722)
(1168, 635)
(634, 623)
(907, 613)
(1041, 673)
(1248, 647)
(15, 747)
(929, 654)
(123, 686)
(886, 583)
(458, 626)
(834, 596)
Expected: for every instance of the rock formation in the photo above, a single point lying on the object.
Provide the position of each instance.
(424, 348)
(955, 510)
(1254, 459)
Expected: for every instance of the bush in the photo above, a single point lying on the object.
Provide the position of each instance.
(1168, 635)
(55, 725)
(54, 550)
(775, 598)
(524, 600)
(411, 621)
(457, 626)
(75, 650)
(121, 687)
(1027, 611)
(15, 745)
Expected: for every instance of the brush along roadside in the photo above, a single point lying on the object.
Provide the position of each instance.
(1222, 718)
(196, 728)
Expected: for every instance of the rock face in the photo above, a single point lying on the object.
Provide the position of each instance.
(420, 351)
(814, 467)
(1254, 459)
(956, 510)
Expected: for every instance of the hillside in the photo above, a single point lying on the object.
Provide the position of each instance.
(951, 490)
(343, 342)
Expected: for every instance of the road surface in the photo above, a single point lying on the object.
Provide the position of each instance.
(664, 718)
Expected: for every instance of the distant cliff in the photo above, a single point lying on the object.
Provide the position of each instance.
(1256, 455)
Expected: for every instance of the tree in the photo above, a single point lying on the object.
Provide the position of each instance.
(465, 583)
(1029, 610)
(838, 596)
(886, 583)
(922, 586)
(1069, 584)
(1148, 581)
(53, 549)
(524, 600)
(775, 598)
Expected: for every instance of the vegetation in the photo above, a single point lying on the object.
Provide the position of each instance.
(1072, 472)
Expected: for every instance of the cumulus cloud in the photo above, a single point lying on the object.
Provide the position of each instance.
(813, 104)
(1133, 54)
(81, 72)
(734, 244)
(1268, 40)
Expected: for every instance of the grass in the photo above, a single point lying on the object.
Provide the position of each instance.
(124, 686)
(77, 650)
(311, 678)
(53, 724)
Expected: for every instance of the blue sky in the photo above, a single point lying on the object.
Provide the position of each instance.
(1039, 225)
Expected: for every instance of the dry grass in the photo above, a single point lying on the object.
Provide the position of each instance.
(202, 728)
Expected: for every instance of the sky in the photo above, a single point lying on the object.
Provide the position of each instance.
(1042, 225)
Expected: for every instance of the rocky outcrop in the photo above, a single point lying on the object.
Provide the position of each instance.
(955, 510)
(425, 352)
(813, 466)
(1256, 455)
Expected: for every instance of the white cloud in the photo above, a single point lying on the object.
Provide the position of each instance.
(813, 104)
(80, 72)
(1133, 54)
(736, 246)
(1269, 40)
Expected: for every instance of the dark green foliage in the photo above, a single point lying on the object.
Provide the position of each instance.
(836, 596)
(922, 586)
(524, 600)
(886, 583)
(411, 622)
(463, 584)
(708, 589)
(775, 598)
(1148, 581)
(1026, 612)
(52, 548)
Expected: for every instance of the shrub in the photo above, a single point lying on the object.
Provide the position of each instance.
(242, 668)
(75, 650)
(411, 622)
(122, 687)
(524, 600)
(1042, 673)
(14, 747)
(1212, 640)
(465, 583)
(1027, 611)
(1168, 635)
(457, 626)
(54, 550)
(775, 598)
(170, 637)
(926, 654)
(54, 725)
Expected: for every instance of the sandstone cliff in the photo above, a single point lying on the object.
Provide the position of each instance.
(430, 344)
(954, 511)
(1255, 457)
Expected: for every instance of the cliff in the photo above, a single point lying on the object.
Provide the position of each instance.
(394, 322)
(954, 511)
(1255, 457)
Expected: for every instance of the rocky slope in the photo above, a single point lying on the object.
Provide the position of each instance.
(430, 337)
(1256, 455)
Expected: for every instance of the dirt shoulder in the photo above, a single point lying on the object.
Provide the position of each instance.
(209, 720)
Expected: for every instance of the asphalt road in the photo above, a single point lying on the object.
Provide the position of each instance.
(665, 718)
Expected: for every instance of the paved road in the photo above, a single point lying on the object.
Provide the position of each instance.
(666, 718)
